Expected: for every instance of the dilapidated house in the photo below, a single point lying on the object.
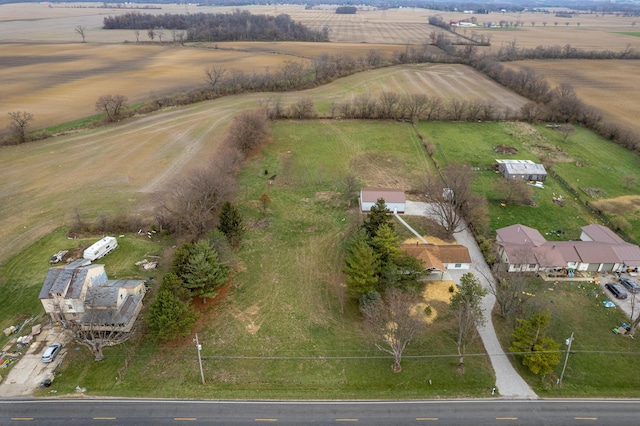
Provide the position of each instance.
(80, 292)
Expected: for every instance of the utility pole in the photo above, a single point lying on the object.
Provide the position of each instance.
(568, 342)
(199, 347)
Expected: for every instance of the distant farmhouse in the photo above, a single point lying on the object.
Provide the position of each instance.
(80, 292)
(522, 169)
(524, 249)
(393, 198)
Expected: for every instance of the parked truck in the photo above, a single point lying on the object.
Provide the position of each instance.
(101, 248)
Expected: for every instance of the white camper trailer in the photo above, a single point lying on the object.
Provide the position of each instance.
(101, 248)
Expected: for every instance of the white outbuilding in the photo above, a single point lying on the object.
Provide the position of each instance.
(393, 198)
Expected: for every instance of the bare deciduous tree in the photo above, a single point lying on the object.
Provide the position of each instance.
(95, 330)
(466, 304)
(19, 123)
(214, 75)
(303, 108)
(450, 196)
(190, 207)
(80, 29)
(248, 130)
(392, 323)
(112, 105)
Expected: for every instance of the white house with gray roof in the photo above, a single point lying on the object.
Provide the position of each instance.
(80, 292)
(524, 249)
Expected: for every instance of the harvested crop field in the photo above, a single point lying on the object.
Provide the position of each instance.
(611, 86)
(61, 82)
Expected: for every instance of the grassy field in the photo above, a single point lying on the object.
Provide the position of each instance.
(285, 328)
(585, 161)
(577, 308)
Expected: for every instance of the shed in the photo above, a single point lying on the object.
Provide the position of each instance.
(522, 169)
(393, 198)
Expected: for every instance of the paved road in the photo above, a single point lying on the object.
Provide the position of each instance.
(450, 412)
(508, 381)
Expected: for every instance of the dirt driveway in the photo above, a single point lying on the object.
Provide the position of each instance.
(27, 374)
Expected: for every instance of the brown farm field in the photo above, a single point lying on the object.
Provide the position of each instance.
(119, 167)
(611, 86)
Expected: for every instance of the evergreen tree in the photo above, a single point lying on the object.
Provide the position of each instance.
(170, 317)
(361, 267)
(173, 283)
(378, 216)
(205, 272)
(386, 244)
(231, 224)
(539, 352)
(181, 258)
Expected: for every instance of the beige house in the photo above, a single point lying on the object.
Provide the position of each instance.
(440, 258)
(524, 249)
(81, 293)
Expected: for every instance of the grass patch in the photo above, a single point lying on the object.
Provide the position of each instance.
(285, 328)
(601, 363)
(585, 160)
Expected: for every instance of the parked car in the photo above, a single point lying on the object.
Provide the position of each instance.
(52, 351)
(617, 290)
(631, 285)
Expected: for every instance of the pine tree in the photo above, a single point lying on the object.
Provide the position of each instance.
(231, 224)
(170, 317)
(378, 216)
(205, 272)
(361, 268)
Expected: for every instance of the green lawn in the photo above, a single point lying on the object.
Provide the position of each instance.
(584, 160)
(601, 363)
(285, 329)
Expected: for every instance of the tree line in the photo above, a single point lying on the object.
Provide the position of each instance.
(235, 26)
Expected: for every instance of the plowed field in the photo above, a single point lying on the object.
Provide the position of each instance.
(611, 86)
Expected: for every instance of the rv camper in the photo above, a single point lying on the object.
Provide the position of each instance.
(101, 248)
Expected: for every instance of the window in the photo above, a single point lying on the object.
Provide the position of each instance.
(458, 265)
(70, 307)
(532, 266)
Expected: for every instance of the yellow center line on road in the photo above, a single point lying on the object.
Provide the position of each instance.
(421, 419)
(266, 420)
(347, 420)
(586, 418)
(104, 418)
(506, 418)
(18, 419)
(185, 419)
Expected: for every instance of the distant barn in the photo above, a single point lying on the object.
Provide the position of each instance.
(522, 169)
(393, 198)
